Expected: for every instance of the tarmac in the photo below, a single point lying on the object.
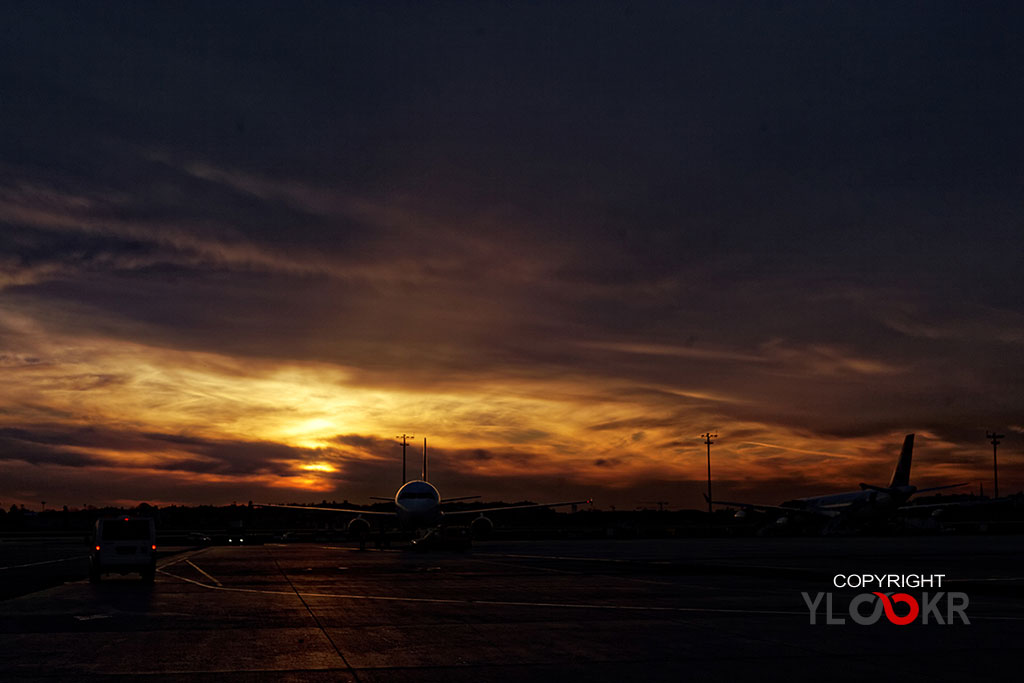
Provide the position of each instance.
(549, 610)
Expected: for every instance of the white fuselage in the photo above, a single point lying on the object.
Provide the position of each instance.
(418, 505)
(865, 504)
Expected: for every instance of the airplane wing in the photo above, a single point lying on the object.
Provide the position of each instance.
(883, 489)
(944, 504)
(937, 506)
(369, 513)
(939, 488)
(813, 512)
(516, 507)
(452, 500)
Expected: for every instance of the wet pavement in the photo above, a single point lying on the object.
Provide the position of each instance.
(657, 610)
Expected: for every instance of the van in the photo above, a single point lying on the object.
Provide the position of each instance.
(124, 545)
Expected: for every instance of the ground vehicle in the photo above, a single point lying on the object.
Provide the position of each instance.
(123, 545)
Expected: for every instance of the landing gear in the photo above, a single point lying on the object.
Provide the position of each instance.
(444, 538)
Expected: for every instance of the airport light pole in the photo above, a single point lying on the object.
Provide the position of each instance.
(404, 438)
(995, 467)
(708, 441)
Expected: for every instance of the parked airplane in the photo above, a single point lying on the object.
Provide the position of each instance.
(851, 510)
(418, 506)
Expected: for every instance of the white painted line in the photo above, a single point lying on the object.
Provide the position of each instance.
(571, 573)
(222, 588)
(524, 556)
(182, 557)
(512, 603)
(501, 603)
(37, 564)
(194, 566)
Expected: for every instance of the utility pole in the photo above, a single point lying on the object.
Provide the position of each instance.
(995, 467)
(708, 441)
(404, 437)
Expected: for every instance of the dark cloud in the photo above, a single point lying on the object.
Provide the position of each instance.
(49, 444)
(14, 447)
(85, 437)
(803, 217)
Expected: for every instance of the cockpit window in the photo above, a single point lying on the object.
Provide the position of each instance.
(422, 495)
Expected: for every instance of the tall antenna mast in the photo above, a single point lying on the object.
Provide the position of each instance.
(424, 458)
(995, 467)
(403, 437)
(708, 441)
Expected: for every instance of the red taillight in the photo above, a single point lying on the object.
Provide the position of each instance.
(126, 519)
(154, 546)
(97, 547)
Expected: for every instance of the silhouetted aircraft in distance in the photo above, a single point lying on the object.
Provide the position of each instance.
(418, 508)
(847, 511)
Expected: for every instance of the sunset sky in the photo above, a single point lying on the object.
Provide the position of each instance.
(245, 245)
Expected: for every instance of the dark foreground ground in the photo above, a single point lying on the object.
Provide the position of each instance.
(714, 609)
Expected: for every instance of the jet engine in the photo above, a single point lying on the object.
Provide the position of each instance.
(359, 528)
(481, 527)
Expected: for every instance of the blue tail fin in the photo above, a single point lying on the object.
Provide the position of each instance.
(901, 475)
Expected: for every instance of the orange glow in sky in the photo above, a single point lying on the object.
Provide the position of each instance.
(560, 255)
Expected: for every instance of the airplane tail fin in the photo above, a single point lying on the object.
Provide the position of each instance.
(901, 474)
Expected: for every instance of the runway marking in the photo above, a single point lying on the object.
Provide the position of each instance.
(183, 557)
(194, 566)
(341, 655)
(571, 573)
(773, 568)
(223, 588)
(581, 559)
(655, 563)
(36, 564)
(659, 563)
(515, 603)
(503, 603)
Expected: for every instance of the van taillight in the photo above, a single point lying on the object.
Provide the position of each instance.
(97, 548)
(154, 546)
